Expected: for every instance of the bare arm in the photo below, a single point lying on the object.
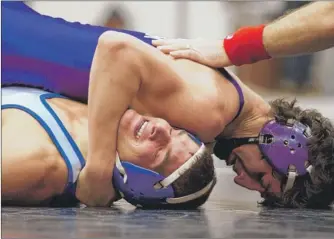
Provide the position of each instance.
(306, 30)
(110, 94)
(113, 85)
(124, 70)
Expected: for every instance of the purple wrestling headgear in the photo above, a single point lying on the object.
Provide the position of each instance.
(284, 146)
(145, 188)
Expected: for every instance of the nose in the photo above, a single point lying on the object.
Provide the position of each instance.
(160, 133)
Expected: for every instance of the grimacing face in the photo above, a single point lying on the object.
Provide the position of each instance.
(253, 171)
(152, 143)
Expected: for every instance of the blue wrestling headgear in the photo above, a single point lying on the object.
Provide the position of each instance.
(283, 145)
(145, 188)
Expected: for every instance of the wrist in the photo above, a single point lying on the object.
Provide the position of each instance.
(99, 171)
(245, 46)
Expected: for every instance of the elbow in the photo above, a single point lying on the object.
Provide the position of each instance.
(123, 49)
(119, 47)
(114, 42)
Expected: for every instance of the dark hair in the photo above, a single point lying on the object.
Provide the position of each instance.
(116, 12)
(193, 180)
(315, 190)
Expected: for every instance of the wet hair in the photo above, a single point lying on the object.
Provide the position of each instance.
(314, 190)
(193, 180)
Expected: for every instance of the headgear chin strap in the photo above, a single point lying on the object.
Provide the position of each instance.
(143, 187)
(284, 146)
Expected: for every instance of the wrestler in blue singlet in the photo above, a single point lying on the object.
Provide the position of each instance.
(47, 52)
(34, 102)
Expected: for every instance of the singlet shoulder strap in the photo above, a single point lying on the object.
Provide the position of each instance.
(237, 87)
(34, 102)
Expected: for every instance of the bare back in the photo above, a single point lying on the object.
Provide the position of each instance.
(187, 94)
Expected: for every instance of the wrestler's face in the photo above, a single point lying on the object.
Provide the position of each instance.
(253, 172)
(152, 143)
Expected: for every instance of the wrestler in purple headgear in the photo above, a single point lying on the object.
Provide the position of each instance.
(299, 159)
(212, 103)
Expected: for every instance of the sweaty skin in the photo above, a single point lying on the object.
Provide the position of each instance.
(186, 94)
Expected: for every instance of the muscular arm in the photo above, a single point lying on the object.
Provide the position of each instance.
(306, 30)
(124, 68)
(112, 87)
(127, 72)
(116, 76)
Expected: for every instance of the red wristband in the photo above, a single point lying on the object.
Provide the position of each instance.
(245, 46)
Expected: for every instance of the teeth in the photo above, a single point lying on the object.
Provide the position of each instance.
(141, 130)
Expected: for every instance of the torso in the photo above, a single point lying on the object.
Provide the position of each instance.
(27, 137)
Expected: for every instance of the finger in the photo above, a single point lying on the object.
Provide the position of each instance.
(159, 42)
(186, 54)
(162, 42)
(172, 47)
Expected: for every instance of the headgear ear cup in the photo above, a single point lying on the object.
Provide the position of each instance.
(287, 147)
(147, 188)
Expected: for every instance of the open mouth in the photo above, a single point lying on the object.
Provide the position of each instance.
(140, 128)
(241, 170)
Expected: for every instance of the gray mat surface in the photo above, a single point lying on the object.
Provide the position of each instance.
(231, 212)
(215, 220)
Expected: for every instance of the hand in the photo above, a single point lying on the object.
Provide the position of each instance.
(92, 190)
(207, 52)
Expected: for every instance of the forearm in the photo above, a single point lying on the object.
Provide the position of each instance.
(113, 85)
(309, 29)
